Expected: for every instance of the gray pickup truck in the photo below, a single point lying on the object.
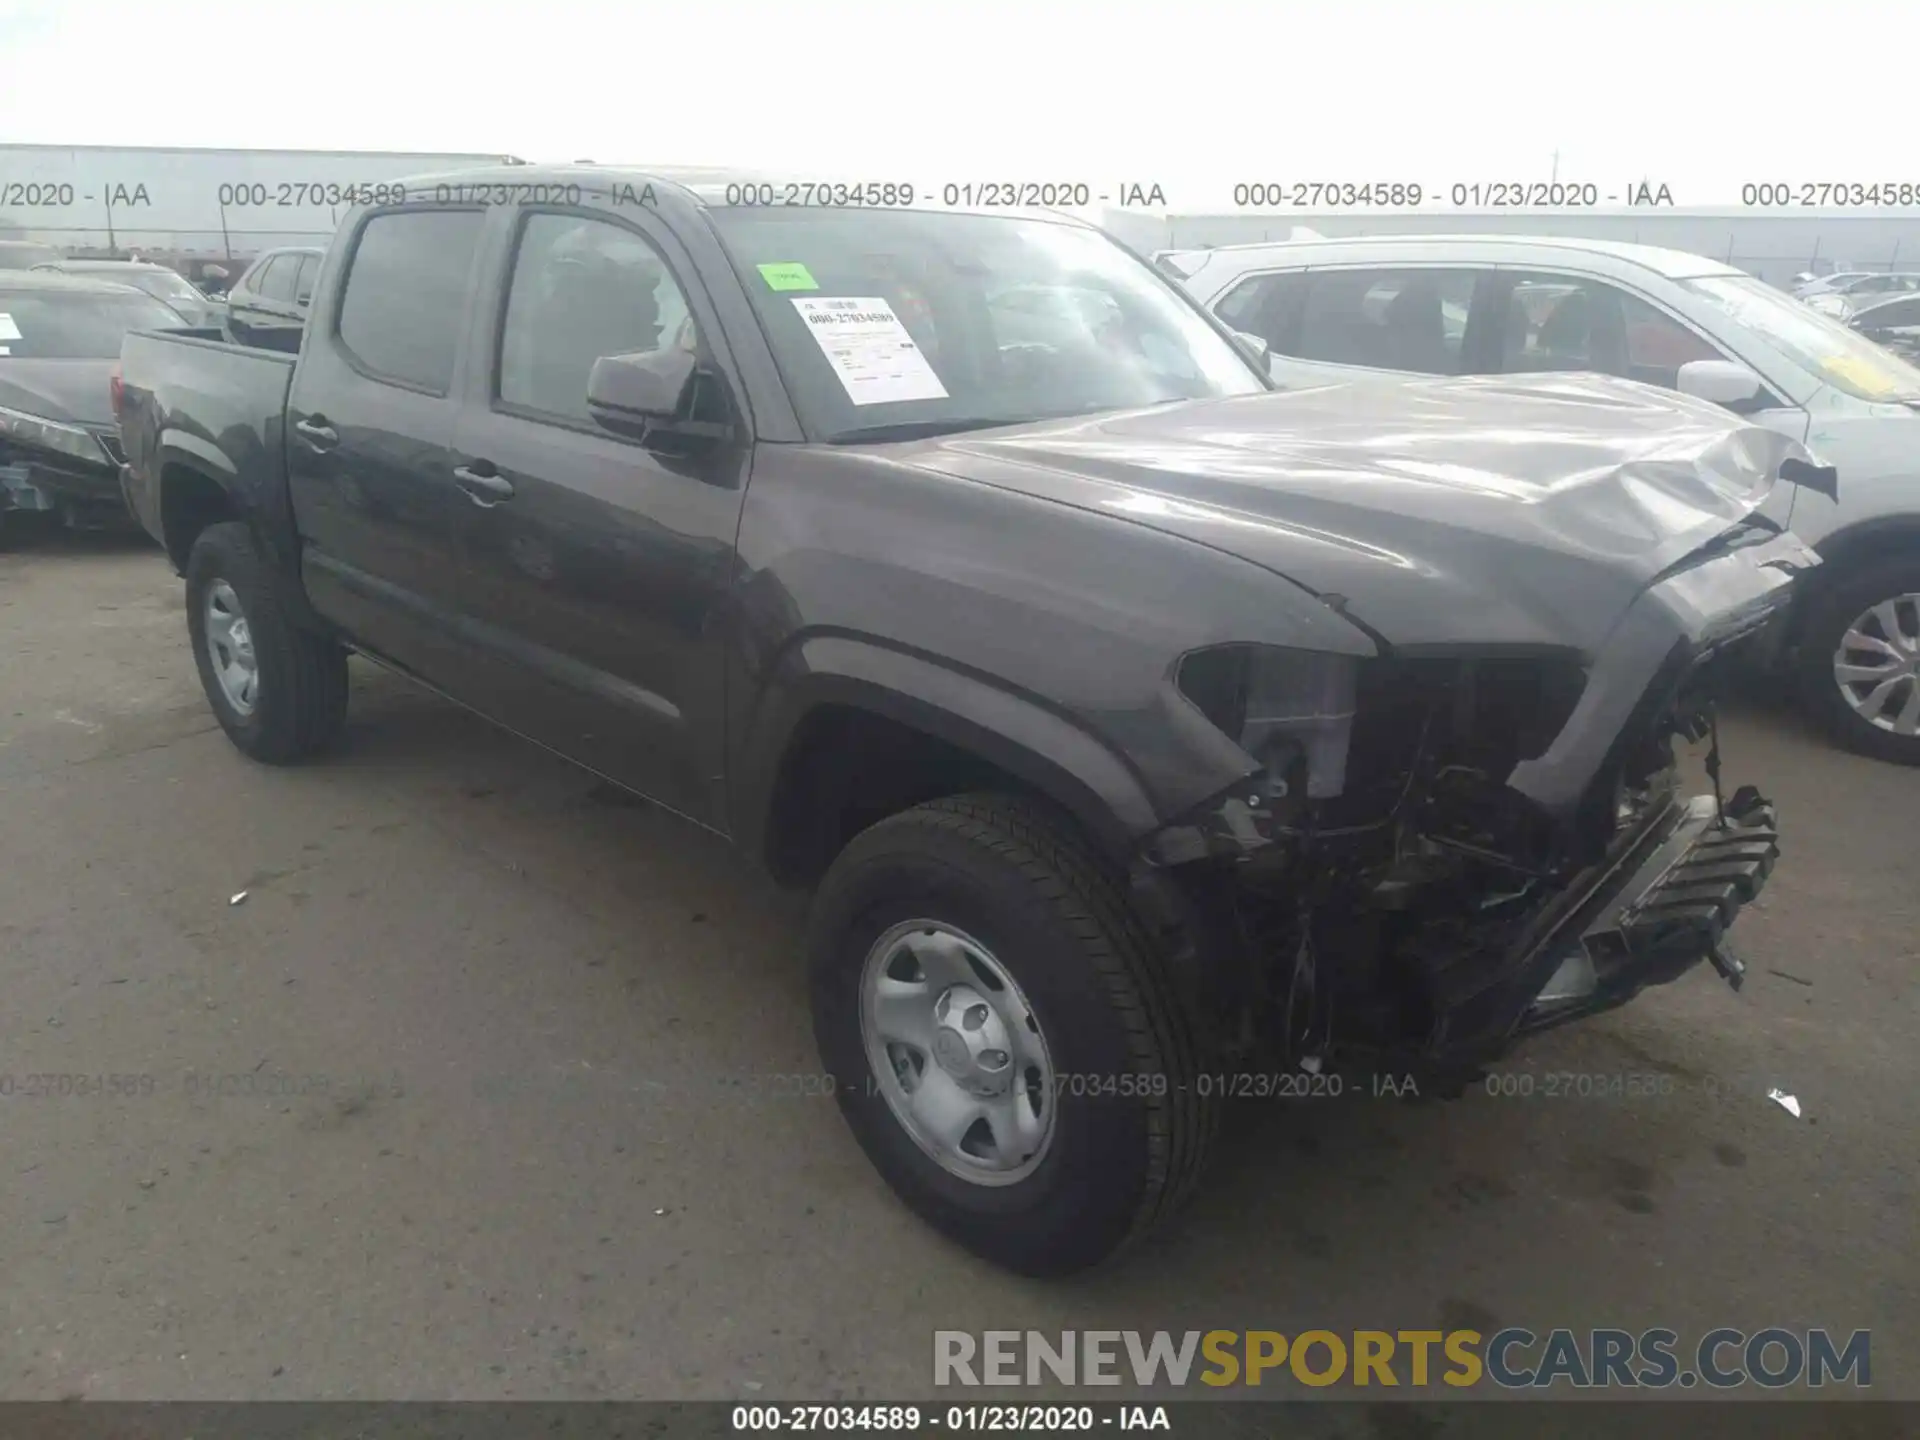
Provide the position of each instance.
(1149, 738)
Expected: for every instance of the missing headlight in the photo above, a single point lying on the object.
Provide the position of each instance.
(1285, 708)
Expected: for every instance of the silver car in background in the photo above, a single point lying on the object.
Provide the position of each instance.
(1370, 309)
(1848, 293)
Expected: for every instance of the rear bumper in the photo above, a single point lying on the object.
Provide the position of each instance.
(1645, 917)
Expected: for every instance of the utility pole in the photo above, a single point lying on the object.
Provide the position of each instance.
(1556, 168)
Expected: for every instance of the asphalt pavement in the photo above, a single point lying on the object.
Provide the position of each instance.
(486, 1086)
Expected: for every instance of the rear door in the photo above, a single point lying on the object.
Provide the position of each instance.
(382, 522)
(599, 563)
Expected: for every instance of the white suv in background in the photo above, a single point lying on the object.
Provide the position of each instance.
(1389, 307)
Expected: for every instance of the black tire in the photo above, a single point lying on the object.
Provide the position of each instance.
(301, 705)
(1833, 611)
(1014, 876)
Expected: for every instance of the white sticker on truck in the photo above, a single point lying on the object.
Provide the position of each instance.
(8, 330)
(870, 350)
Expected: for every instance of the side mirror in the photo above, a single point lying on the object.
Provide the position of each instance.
(639, 390)
(641, 395)
(1254, 345)
(1721, 381)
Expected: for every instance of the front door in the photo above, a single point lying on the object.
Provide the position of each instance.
(599, 563)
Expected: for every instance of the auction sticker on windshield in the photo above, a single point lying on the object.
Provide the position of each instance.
(1872, 380)
(788, 275)
(870, 350)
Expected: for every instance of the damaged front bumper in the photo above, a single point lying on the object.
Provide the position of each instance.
(1472, 901)
(1652, 911)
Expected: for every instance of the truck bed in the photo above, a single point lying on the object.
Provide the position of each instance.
(194, 397)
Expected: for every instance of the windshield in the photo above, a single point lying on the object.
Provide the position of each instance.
(929, 321)
(77, 325)
(1849, 362)
(162, 284)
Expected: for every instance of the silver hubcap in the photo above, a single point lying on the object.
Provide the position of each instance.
(957, 1051)
(230, 647)
(1877, 666)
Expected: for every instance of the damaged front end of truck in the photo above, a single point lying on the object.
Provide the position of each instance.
(1441, 850)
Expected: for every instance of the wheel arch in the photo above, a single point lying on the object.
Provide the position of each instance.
(196, 490)
(1842, 553)
(840, 692)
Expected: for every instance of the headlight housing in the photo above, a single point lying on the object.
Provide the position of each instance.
(35, 433)
(1281, 706)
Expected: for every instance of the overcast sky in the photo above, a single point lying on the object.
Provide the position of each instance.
(1194, 95)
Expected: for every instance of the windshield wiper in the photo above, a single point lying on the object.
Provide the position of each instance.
(918, 429)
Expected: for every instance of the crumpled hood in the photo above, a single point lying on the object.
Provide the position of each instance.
(1486, 511)
(74, 391)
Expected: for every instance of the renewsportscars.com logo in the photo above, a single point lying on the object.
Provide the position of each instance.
(1513, 1358)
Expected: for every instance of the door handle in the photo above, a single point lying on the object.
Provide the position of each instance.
(483, 487)
(317, 433)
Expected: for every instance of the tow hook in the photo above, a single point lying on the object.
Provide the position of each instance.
(1732, 968)
(1745, 804)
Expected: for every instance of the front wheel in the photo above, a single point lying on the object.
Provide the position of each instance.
(1007, 1046)
(1860, 659)
(278, 691)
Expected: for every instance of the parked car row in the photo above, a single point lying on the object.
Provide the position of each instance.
(1892, 323)
(61, 326)
(25, 254)
(163, 284)
(1843, 294)
(1138, 721)
(1357, 309)
(60, 341)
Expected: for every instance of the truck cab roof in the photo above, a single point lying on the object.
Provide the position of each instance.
(681, 186)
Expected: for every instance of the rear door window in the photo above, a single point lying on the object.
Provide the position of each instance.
(406, 295)
(251, 281)
(276, 282)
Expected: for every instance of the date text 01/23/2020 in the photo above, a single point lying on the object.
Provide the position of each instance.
(915, 1419)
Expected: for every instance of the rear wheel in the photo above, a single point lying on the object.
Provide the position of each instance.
(1860, 659)
(279, 692)
(1006, 1044)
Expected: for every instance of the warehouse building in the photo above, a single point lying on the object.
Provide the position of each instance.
(187, 204)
